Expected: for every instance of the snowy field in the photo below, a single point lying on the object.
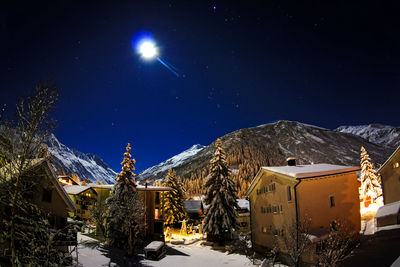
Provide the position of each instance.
(178, 255)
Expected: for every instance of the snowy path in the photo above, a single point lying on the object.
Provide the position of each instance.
(199, 256)
(193, 255)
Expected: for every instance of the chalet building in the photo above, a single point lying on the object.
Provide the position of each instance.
(390, 175)
(288, 195)
(153, 201)
(194, 209)
(243, 216)
(83, 197)
(66, 180)
(48, 194)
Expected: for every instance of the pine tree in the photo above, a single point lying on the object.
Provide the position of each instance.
(174, 209)
(124, 217)
(371, 185)
(220, 196)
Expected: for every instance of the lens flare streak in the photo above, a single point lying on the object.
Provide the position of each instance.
(169, 66)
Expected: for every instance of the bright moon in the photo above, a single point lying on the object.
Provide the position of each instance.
(148, 50)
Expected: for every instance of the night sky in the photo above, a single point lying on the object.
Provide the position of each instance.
(241, 64)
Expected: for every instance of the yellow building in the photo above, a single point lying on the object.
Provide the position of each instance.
(153, 201)
(318, 193)
(103, 190)
(390, 175)
(83, 197)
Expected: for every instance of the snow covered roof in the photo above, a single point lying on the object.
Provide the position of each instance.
(313, 170)
(193, 205)
(139, 187)
(388, 209)
(243, 204)
(302, 172)
(77, 189)
(110, 186)
(153, 188)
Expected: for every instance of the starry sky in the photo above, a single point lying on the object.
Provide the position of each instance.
(240, 64)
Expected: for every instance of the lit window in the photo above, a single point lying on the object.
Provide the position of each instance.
(396, 165)
(264, 229)
(332, 200)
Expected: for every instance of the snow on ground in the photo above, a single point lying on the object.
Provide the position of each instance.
(89, 256)
(396, 263)
(179, 255)
(368, 227)
(196, 255)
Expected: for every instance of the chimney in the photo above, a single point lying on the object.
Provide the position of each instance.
(291, 161)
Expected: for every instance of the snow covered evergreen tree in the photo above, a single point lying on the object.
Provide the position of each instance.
(174, 209)
(220, 196)
(371, 185)
(125, 215)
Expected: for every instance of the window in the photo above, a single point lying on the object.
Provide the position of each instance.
(264, 229)
(289, 194)
(46, 196)
(332, 200)
(243, 224)
(157, 198)
(281, 208)
(396, 165)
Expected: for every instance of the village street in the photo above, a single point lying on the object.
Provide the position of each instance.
(91, 253)
(383, 245)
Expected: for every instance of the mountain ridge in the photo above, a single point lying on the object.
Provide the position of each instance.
(88, 166)
(270, 144)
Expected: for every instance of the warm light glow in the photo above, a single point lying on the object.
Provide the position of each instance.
(148, 50)
(369, 206)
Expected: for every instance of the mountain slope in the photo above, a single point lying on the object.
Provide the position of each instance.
(375, 133)
(270, 145)
(87, 166)
(173, 162)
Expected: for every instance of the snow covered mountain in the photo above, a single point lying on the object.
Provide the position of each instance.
(173, 162)
(270, 145)
(375, 133)
(87, 166)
